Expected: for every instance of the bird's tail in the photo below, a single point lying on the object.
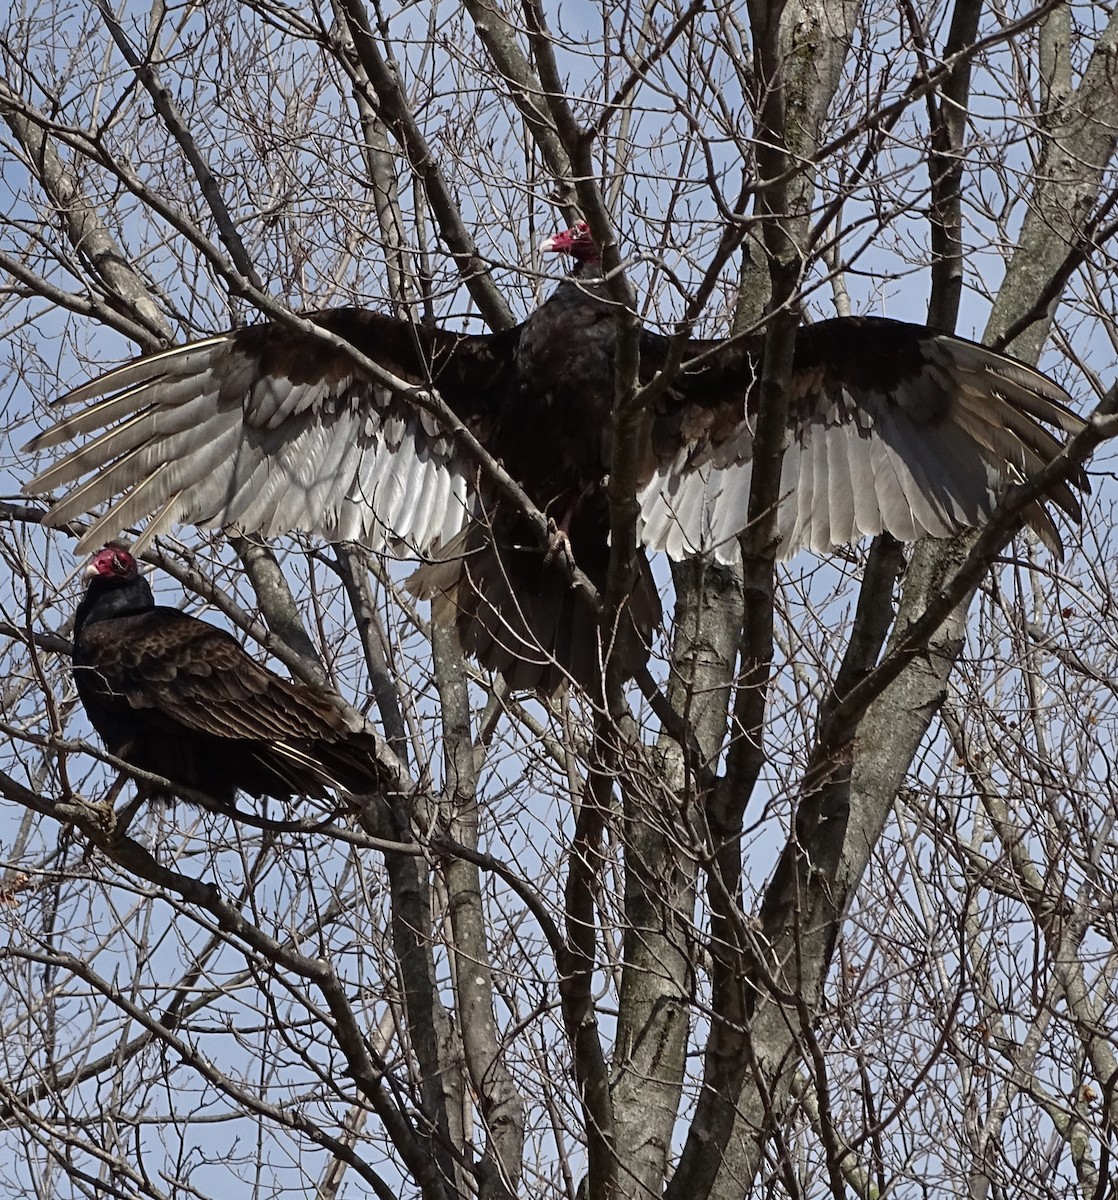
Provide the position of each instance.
(318, 766)
(517, 612)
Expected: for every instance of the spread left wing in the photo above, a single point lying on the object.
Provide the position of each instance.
(268, 430)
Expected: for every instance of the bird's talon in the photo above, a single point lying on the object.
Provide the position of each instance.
(558, 543)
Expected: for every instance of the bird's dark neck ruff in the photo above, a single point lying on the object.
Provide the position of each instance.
(111, 596)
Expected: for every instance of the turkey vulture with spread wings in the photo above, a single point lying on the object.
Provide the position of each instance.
(179, 698)
(893, 427)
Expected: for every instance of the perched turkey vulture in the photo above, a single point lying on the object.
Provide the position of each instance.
(893, 427)
(178, 697)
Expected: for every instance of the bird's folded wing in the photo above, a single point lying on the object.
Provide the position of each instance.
(180, 669)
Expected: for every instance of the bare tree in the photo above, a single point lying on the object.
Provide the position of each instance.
(822, 908)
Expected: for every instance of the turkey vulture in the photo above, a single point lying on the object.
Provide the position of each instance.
(178, 697)
(893, 427)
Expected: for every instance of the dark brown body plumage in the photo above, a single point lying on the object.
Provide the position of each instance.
(179, 698)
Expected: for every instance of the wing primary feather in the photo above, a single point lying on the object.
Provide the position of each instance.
(180, 359)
